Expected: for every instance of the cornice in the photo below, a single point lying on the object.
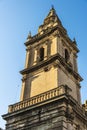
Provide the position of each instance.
(24, 110)
(52, 59)
(38, 36)
(49, 31)
(67, 99)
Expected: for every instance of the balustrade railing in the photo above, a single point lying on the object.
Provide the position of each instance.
(39, 98)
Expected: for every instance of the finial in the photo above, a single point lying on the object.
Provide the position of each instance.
(29, 35)
(52, 10)
(52, 6)
(74, 41)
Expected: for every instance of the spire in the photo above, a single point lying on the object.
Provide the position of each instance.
(52, 16)
(50, 21)
(52, 12)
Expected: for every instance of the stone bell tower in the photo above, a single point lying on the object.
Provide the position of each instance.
(50, 95)
(50, 60)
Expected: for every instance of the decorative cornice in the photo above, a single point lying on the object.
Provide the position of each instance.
(38, 37)
(45, 99)
(59, 98)
(51, 60)
(61, 32)
(50, 95)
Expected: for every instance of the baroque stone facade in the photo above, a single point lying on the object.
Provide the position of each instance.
(50, 96)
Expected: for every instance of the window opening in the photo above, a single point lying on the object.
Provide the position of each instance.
(66, 56)
(41, 54)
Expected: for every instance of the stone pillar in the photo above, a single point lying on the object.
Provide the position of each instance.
(75, 63)
(54, 46)
(45, 52)
(22, 90)
(35, 56)
(27, 58)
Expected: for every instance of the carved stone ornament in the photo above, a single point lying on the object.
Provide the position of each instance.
(47, 68)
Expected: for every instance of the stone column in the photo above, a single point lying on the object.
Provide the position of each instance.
(22, 90)
(27, 58)
(45, 51)
(35, 56)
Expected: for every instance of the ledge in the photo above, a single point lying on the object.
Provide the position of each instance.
(39, 99)
(38, 37)
(51, 60)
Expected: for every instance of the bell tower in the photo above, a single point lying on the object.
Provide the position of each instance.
(50, 95)
(51, 60)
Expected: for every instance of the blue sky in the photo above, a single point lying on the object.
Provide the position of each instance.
(17, 18)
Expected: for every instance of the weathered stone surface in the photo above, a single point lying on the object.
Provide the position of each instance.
(62, 114)
(50, 95)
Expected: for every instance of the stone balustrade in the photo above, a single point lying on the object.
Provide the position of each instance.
(39, 98)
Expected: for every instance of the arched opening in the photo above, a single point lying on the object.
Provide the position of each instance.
(41, 54)
(66, 55)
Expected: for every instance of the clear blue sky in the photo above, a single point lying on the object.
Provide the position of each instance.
(17, 18)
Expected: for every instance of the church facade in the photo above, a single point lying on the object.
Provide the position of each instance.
(50, 95)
